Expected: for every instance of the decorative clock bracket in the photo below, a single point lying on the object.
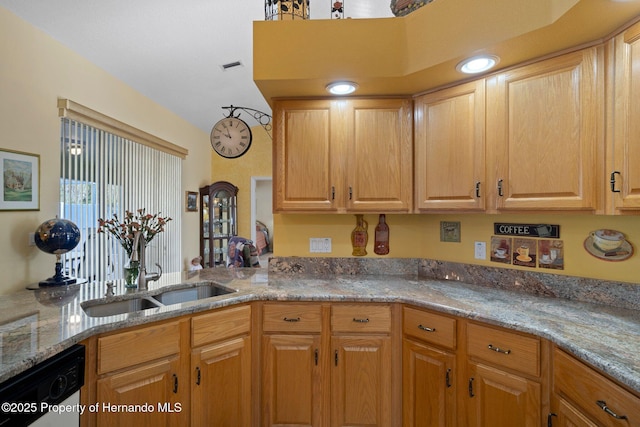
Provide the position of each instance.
(262, 118)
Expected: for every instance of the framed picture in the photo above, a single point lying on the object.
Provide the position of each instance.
(192, 201)
(20, 181)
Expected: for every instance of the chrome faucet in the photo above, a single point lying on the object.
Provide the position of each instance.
(138, 254)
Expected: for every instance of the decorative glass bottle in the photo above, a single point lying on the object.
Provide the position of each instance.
(381, 246)
(359, 237)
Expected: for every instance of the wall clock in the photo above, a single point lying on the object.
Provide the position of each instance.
(231, 137)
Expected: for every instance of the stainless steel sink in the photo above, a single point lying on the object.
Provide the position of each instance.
(112, 308)
(101, 308)
(177, 296)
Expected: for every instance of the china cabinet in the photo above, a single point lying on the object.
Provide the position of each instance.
(218, 222)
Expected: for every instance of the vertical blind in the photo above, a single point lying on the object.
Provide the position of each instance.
(103, 175)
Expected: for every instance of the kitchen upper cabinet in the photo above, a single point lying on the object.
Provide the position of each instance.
(347, 155)
(545, 134)
(623, 170)
(450, 149)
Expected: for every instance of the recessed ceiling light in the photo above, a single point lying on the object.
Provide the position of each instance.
(477, 64)
(341, 88)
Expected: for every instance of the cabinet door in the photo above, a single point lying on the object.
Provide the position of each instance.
(361, 381)
(291, 388)
(545, 134)
(626, 151)
(379, 167)
(428, 386)
(500, 399)
(569, 416)
(154, 386)
(304, 162)
(221, 384)
(450, 149)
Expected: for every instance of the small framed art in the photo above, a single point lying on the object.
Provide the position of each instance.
(191, 203)
(20, 181)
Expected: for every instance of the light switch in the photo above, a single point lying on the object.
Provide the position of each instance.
(481, 250)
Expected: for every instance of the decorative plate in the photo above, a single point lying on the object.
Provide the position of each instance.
(622, 253)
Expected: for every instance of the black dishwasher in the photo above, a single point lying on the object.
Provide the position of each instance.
(28, 396)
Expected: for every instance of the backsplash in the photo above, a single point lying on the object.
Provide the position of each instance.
(611, 293)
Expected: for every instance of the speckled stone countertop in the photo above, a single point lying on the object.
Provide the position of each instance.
(35, 325)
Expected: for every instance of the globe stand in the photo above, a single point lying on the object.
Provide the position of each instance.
(58, 278)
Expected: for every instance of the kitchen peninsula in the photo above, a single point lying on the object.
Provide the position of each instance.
(602, 332)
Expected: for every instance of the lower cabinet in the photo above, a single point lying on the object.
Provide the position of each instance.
(221, 368)
(327, 364)
(505, 384)
(141, 380)
(583, 397)
(428, 369)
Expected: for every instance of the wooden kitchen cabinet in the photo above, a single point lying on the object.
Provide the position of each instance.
(428, 370)
(142, 367)
(343, 155)
(624, 174)
(363, 367)
(580, 396)
(505, 381)
(450, 149)
(293, 386)
(221, 368)
(327, 364)
(545, 134)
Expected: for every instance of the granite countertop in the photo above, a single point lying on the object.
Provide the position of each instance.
(35, 325)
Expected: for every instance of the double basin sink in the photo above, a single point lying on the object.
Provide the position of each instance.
(102, 308)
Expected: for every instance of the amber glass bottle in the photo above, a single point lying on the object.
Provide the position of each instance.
(359, 237)
(381, 246)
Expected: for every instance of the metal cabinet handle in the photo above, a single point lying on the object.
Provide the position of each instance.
(335, 357)
(315, 356)
(198, 376)
(333, 192)
(603, 405)
(291, 319)
(550, 419)
(426, 329)
(350, 193)
(175, 383)
(498, 349)
(613, 181)
(360, 320)
(471, 387)
(478, 189)
(500, 188)
(447, 378)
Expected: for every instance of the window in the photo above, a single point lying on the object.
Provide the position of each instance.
(103, 174)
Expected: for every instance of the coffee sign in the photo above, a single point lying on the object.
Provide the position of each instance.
(528, 230)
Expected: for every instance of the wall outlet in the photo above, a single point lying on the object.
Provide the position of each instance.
(480, 250)
(320, 245)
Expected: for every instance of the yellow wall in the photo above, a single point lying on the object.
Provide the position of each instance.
(36, 70)
(419, 236)
(256, 162)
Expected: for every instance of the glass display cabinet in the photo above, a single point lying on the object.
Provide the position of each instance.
(218, 222)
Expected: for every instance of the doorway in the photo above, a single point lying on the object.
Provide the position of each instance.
(262, 212)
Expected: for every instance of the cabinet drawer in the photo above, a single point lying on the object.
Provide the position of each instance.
(361, 318)
(585, 387)
(138, 346)
(220, 325)
(504, 348)
(429, 327)
(292, 318)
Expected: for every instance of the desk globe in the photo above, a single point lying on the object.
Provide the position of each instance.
(57, 236)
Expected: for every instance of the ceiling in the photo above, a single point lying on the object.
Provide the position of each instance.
(173, 51)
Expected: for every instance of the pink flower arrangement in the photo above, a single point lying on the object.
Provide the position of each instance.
(125, 230)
